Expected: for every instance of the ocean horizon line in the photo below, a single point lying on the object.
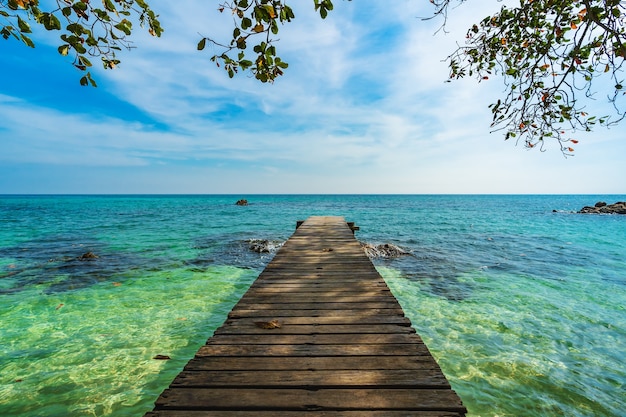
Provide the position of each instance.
(291, 194)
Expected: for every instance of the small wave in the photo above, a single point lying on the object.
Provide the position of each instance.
(264, 245)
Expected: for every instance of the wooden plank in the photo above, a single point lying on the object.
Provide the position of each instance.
(315, 298)
(314, 339)
(315, 313)
(313, 350)
(275, 413)
(306, 275)
(306, 329)
(336, 379)
(348, 319)
(340, 344)
(315, 306)
(300, 290)
(303, 400)
(415, 362)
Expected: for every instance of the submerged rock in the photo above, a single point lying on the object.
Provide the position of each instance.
(602, 208)
(242, 202)
(385, 250)
(263, 246)
(87, 256)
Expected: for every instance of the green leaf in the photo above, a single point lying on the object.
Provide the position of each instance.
(24, 27)
(80, 6)
(64, 49)
(261, 14)
(84, 61)
(102, 15)
(50, 21)
(28, 41)
(76, 29)
(108, 4)
(271, 12)
(201, 44)
(91, 41)
(124, 26)
(86, 80)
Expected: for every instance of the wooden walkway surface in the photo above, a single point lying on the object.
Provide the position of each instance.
(317, 334)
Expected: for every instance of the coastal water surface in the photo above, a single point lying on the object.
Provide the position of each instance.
(520, 299)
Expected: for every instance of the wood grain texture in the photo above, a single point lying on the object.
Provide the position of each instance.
(317, 334)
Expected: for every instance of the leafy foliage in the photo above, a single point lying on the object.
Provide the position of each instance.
(260, 19)
(550, 54)
(86, 29)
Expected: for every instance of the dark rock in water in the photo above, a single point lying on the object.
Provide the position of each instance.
(386, 250)
(263, 246)
(162, 357)
(87, 256)
(242, 202)
(602, 208)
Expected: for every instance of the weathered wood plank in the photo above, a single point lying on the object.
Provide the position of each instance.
(335, 379)
(315, 306)
(313, 350)
(314, 339)
(305, 329)
(349, 319)
(415, 362)
(275, 413)
(300, 290)
(315, 313)
(287, 297)
(305, 275)
(301, 399)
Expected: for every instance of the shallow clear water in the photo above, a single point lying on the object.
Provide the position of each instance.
(523, 307)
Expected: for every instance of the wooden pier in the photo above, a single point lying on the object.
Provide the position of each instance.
(317, 334)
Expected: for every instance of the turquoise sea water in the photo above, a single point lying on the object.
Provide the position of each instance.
(523, 307)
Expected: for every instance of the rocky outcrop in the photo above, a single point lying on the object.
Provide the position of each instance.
(386, 250)
(242, 202)
(264, 246)
(602, 208)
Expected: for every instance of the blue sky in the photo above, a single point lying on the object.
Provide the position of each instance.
(362, 108)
